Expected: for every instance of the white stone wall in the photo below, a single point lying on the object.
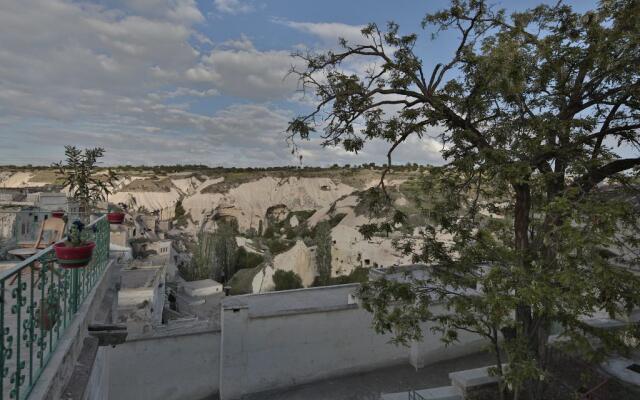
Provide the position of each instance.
(265, 350)
(177, 367)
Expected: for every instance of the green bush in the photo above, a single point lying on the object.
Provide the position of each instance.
(246, 259)
(286, 280)
(358, 275)
(277, 246)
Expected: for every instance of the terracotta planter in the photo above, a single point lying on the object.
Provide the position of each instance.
(115, 217)
(74, 257)
(57, 214)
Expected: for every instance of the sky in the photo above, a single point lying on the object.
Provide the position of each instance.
(183, 81)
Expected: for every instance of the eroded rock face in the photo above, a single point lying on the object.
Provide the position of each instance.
(299, 259)
(277, 213)
(350, 250)
(255, 198)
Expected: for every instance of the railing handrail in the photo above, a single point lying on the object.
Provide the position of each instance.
(413, 395)
(25, 263)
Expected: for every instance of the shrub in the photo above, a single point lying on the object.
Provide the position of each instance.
(246, 259)
(286, 280)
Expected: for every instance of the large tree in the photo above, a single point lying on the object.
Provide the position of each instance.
(535, 111)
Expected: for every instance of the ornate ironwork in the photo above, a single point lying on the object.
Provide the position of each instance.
(38, 301)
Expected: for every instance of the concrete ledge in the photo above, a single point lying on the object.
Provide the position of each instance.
(473, 378)
(302, 311)
(198, 328)
(62, 362)
(437, 393)
(77, 386)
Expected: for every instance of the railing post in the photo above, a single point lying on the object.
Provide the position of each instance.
(75, 290)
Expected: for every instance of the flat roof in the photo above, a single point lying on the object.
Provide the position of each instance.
(287, 301)
(139, 278)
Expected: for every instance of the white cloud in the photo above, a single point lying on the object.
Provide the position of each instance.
(233, 6)
(329, 32)
(78, 47)
(175, 10)
(238, 69)
(242, 43)
(126, 77)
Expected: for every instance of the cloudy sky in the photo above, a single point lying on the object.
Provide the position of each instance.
(179, 81)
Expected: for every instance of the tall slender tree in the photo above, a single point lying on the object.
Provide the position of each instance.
(225, 250)
(323, 252)
(539, 115)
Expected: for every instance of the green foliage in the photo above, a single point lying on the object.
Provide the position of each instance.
(225, 250)
(242, 280)
(277, 246)
(335, 219)
(179, 210)
(180, 215)
(358, 275)
(214, 256)
(286, 280)
(531, 110)
(201, 265)
(77, 235)
(247, 259)
(79, 176)
(268, 233)
(323, 252)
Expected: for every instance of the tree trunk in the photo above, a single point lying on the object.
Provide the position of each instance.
(524, 316)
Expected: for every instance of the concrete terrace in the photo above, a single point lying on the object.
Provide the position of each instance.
(369, 386)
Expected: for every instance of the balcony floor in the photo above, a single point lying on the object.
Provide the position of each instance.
(369, 386)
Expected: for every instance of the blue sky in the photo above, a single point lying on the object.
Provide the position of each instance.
(181, 81)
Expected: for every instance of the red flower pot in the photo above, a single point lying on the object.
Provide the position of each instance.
(74, 257)
(115, 217)
(57, 214)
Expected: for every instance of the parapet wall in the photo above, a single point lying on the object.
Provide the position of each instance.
(282, 339)
(181, 366)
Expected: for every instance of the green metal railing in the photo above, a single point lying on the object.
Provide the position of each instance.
(413, 395)
(38, 301)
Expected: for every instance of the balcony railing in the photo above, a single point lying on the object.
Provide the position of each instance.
(38, 301)
(413, 395)
(24, 225)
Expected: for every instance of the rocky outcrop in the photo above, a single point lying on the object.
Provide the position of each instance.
(299, 259)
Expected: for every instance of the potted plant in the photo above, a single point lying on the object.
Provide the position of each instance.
(76, 251)
(116, 214)
(81, 177)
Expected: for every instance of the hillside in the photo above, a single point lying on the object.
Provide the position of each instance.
(276, 210)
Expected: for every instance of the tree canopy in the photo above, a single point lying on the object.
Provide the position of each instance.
(533, 217)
